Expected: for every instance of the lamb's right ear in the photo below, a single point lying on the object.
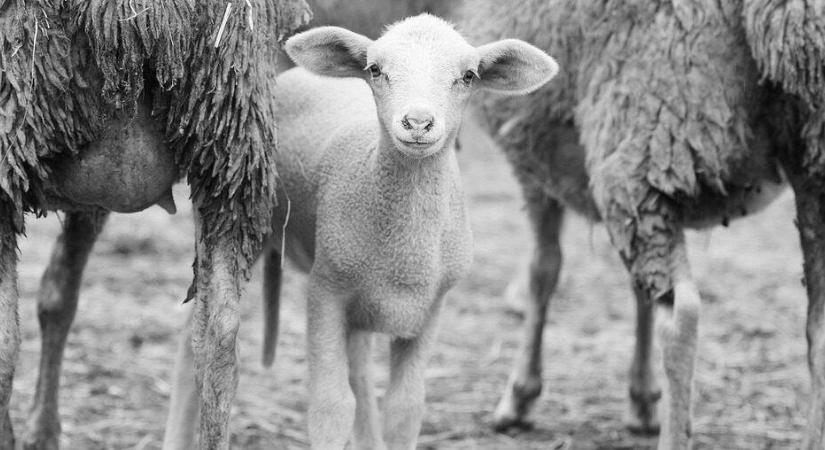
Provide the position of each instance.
(330, 51)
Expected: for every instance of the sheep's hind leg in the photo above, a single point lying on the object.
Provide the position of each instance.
(214, 333)
(524, 384)
(810, 205)
(9, 323)
(677, 329)
(56, 306)
(644, 390)
(367, 432)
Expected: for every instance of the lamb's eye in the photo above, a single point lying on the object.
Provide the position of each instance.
(468, 77)
(374, 71)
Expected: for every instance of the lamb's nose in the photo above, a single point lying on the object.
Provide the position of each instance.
(418, 119)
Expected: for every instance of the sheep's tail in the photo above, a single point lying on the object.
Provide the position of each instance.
(272, 304)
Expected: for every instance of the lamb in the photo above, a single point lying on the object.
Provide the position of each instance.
(378, 220)
(660, 123)
(103, 105)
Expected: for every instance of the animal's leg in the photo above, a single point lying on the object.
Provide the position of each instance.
(184, 409)
(9, 324)
(677, 329)
(56, 306)
(810, 211)
(644, 390)
(404, 400)
(524, 385)
(214, 331)
(331, 402)
(367, 432)
(272, 304)
(517, 290)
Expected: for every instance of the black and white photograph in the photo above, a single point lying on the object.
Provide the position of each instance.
(412, 224)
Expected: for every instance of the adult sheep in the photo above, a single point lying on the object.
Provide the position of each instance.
(369, 17)
(658, 123)
(103, 105)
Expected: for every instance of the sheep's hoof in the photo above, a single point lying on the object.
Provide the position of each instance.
(643, 427)
(507, 423)
(642, 417)
(41, 443)
(43, 432)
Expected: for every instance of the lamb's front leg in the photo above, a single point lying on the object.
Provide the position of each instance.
(56, 306)
(9, 324)
(404, 401)
(331, 402)
(367, 432)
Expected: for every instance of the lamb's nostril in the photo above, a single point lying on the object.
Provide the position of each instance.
(418, 120)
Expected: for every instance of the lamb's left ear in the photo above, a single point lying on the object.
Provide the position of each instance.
(330, 51)
(514, 67)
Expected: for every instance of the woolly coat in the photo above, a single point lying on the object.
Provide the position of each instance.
(369, 17)
(660, 109)
(69, 66)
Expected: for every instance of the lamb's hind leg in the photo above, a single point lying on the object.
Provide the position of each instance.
(56, 306)
(524, 385)
(677, 328)
(331, 409)
(184, 410)
(644, 390)
(810, 205)
(9, 324)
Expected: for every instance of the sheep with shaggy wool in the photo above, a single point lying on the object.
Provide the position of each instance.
(103, 105)
(370, 17)
(659, 122)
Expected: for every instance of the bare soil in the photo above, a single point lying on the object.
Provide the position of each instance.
(751, 379)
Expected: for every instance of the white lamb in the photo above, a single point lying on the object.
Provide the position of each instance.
(374, 209)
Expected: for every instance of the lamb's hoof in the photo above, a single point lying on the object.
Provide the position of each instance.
(6, 433)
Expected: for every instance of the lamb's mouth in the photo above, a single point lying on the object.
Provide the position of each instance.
(418, 144)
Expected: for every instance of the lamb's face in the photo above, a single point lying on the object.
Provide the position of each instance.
(422, 73)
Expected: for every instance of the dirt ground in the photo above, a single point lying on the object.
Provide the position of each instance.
(751, 380)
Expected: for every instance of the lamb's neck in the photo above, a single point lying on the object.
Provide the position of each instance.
(409, 192)
(401, 177)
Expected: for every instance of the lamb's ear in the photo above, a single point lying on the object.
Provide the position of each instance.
(330, 51)
(514, 67)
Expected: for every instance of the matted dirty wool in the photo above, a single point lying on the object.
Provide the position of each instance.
(66, 65)
(659, 93)
(787, 39)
